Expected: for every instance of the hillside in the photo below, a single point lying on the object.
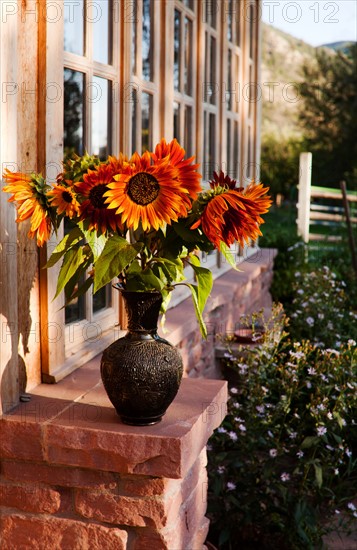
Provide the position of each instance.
(282, 60)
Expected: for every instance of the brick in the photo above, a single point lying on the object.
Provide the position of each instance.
(58, 475)
(146, 486)
(30, 498)
(22, 532)
(112, 508)
(20, 439)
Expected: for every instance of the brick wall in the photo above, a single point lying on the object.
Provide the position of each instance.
(72, 477)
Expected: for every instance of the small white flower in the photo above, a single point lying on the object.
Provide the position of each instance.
(320, 316)
(337, 471)
(270, 434)
(260, 409)
(221, 469)
(311, 371)
(329, 415)
(350, 386)
(321, 430)
(234, 390)
(297, 274)
(351, 506)
(238, 419)
(273, 453)
(222, 430)
(242, 428)
(330, 325)
(233, 436)
(320, 407)
(337, 512)
(323, 378)
(231, 486)
(310, 321)
(329, 448)
(285, 477)
(308, 384)
(300, 454)
(293, 435)
(351, 342)
(348, 453)
(300, 291)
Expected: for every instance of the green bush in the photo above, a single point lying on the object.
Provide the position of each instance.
(282, 466)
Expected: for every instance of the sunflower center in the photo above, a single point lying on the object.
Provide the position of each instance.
(143, 188)
(96, 195)
(67, 197)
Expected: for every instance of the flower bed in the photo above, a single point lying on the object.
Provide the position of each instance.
(283, 463)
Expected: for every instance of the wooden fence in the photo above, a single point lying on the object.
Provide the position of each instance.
(312, 211)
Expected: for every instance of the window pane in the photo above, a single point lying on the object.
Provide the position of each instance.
(212, 142)
(74, 26)
(73, 112)
(189, 4)
(75, 311)
(146, 110)
(229, 147)
(99, 96)
(102, 298)
(189, 137)
(213, 68)
(251, 31)
(211, 13)
(229, 74)
(230, 18)
(102, 31)
(177, 39)
(134, 47)
(177, 121)
(134, 114)
(147, 41)
(237, 21)
(188, 57)
(236, 151)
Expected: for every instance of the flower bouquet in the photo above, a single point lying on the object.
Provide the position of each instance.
(141, 219)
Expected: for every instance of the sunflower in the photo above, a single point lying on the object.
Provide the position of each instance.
(234, 215)
(187, 173)
(29, 193)
(93, 208)
(147, 193)
(223, 180)
(64, 200)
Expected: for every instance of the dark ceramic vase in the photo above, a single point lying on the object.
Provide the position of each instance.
(141, 372)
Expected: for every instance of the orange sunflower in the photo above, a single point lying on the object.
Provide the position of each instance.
(93, 208)
(234, 214)
(147, 193)
(29, 195)
(64, 200)
(187, 173)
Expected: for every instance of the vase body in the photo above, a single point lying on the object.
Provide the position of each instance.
(141, 372)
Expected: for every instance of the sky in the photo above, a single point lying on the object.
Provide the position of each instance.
(316, 22)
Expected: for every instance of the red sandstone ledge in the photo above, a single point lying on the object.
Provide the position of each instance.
(58, 426)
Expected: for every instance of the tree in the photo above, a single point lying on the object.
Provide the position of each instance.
(329, 116)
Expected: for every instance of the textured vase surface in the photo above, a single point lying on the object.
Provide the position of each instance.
(141, 372)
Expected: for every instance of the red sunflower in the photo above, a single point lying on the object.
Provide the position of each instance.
(147, 193)
(94, 207)
(64, 200)
(187, 173)
(234, 214)
(29, 196)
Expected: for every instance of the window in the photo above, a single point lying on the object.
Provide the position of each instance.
(144, 77)
(135, 71)
(90, 77)
(184, 71)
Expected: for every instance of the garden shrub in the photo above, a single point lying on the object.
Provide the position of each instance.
(282, 466)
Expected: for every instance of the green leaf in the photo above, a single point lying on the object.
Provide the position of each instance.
(144, 280)
(96, 243)
(310, 441)
(68, 240)
(173, 269)
(194, 292)
(318, 475)
(204, 281)
(228, 256)
(116, 256)
(82, 289)
(72, 261)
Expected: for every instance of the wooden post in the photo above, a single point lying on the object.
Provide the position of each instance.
(303, 218)
(349, 226)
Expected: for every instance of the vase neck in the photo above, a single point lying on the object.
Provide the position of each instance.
(143, 309)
